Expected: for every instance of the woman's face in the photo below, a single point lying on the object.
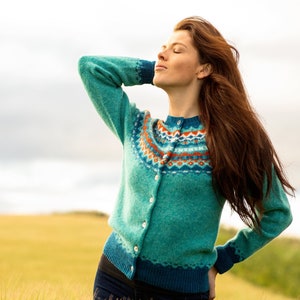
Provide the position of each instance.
(178, 63)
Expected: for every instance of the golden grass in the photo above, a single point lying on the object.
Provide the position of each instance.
(54, 257)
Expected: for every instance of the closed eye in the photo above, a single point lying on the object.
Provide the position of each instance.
(176, 51)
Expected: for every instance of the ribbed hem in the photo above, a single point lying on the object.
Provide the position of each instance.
(117, 255)
(177, 279)
(184, 280)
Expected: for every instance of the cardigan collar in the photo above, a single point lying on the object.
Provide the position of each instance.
(183, 122)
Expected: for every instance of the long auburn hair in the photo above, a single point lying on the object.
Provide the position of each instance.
(242, 155)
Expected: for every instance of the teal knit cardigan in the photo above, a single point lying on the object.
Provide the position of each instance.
(167, 214)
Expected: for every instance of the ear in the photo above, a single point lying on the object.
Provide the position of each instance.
(204, 71)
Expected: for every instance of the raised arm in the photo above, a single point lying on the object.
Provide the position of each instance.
(103, 77)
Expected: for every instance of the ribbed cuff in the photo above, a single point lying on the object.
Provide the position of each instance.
(147, 71)
(224, 261)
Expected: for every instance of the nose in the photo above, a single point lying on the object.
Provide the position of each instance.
(162, 55)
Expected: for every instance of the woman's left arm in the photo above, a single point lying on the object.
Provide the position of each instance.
(276, 218)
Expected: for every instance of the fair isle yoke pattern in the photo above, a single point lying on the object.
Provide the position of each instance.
(176, 151)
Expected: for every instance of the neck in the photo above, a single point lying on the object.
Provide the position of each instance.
(183, 105)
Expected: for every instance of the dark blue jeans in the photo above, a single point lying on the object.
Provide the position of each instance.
(113, 286)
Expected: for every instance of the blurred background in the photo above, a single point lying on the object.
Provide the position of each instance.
(57, 155)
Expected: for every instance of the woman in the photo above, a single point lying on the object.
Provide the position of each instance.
(178, 173)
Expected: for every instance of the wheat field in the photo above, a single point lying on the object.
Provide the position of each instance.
(54, 257)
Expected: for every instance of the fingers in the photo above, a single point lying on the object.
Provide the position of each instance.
(212, 294)
(212, 273)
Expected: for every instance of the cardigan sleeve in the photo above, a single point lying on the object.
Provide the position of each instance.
(103, 77)
(276, 218)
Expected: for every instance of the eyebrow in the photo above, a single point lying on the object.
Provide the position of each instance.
(175, 44)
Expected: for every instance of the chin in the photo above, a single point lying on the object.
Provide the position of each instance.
(157, 82)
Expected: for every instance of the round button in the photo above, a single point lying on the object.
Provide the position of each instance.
(131, 268)
(156, 177)
(178, 122)
(151, 200)
(144, 224)
(136, 248)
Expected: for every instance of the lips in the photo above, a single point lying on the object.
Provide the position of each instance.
(160, 67)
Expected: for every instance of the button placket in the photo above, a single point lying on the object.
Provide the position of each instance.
(144, 223)
(158, 175)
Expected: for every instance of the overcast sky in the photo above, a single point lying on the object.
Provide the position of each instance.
(44, 111)
(41, 40)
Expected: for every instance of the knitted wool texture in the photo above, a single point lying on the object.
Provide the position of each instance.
(167, 214)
